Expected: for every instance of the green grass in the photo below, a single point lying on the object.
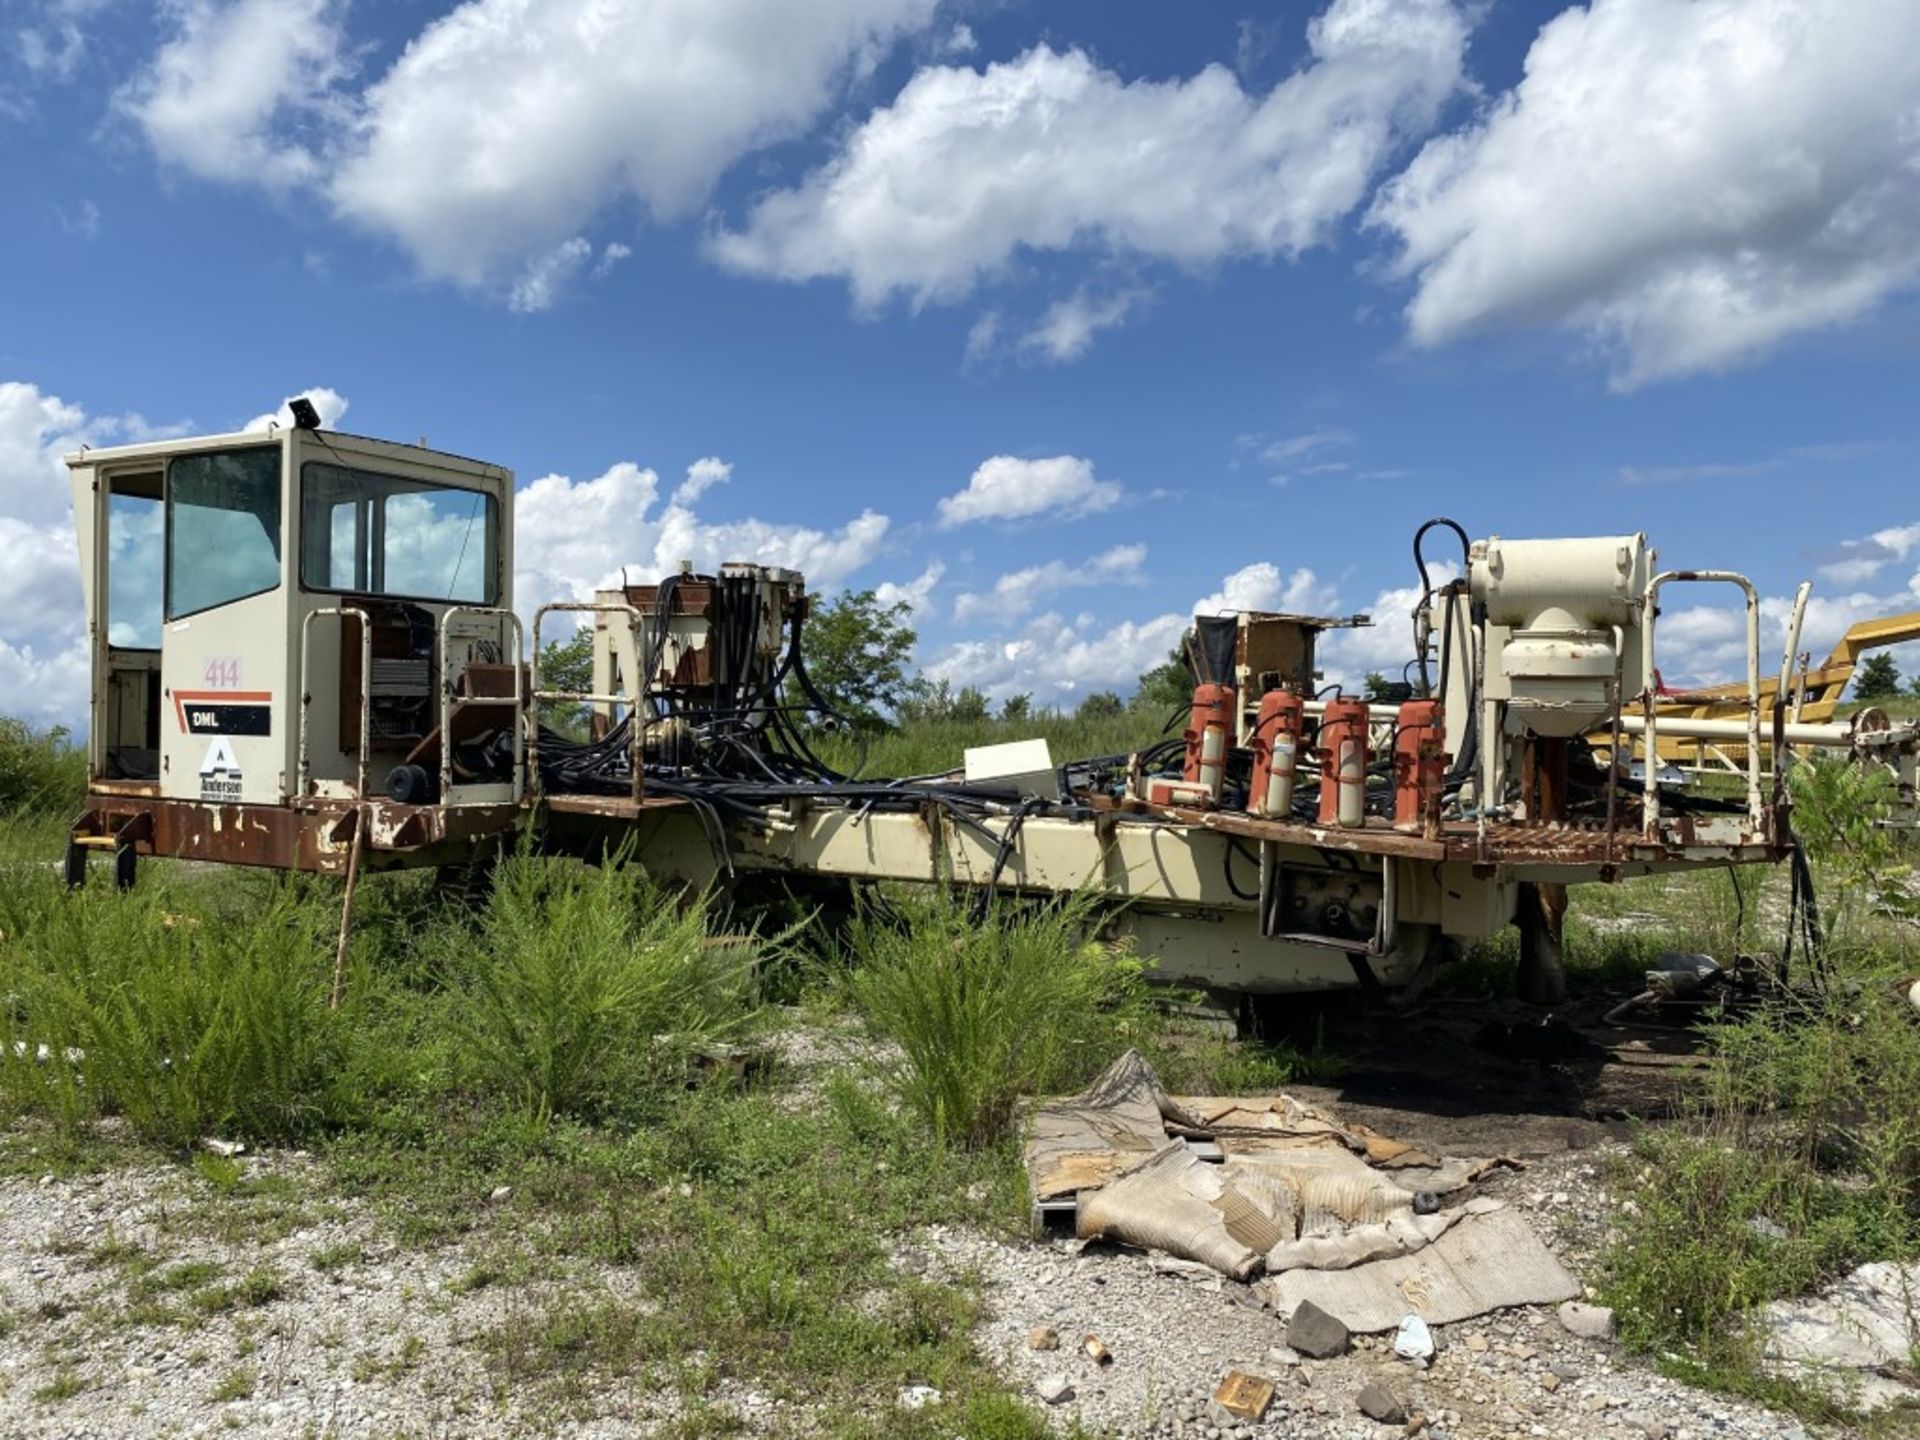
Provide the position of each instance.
(581, 987)
(985, 1009)
(236, 1384)
(550, 1039)
(64, 1385)
(41, 773)
(1807, 1117)
(185, 1029)
(936, 746)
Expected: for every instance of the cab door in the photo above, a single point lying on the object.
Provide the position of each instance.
(225, 701)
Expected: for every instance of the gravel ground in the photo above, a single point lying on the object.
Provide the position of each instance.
(353, 1336)
(382, 1343)
(1172, 1338)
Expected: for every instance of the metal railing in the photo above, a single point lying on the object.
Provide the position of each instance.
(303, 774)
(452, 705)
(1650, 787)
(637, 727)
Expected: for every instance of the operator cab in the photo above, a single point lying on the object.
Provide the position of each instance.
(236, 583)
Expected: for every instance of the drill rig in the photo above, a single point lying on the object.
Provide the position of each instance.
(337, 678)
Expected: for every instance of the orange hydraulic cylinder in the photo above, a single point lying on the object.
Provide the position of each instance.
(1419, 762)
(1276, 753)
(1209, 737)
(1343, 763)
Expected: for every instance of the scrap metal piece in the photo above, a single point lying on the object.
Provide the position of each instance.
(1490, 1260)
(1244, 1396)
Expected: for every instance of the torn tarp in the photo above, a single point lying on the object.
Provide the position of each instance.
(1252, 1185)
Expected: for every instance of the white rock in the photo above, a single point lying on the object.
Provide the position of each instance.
(917, 1397)
(1589, 1322)
(1413, 1340)
(1054, 1389)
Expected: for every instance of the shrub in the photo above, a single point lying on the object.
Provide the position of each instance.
(186, 1027)
(582, 988)
(1799, 1155)
(984, 1012)
(40, 773)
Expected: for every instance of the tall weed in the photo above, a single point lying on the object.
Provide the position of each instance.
(40, 772)
(117, 1004)
(1801, 1154)
(582, 989)
(981, 1013)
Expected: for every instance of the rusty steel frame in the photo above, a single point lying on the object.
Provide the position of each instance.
(303, 772)
(1650, 700)
(636, 740)
(451, 705)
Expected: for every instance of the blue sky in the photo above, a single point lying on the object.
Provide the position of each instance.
(1056, 320)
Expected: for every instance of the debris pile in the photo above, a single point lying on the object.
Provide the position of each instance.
(1343, 1223)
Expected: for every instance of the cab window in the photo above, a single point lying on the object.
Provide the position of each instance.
(223, 528)
(376, 534)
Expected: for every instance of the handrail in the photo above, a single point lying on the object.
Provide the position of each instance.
(1650, 788)
(304, 772)
(637, 727)
(451, 705)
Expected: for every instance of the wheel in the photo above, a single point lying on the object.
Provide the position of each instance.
(126, 862)
(76, 866)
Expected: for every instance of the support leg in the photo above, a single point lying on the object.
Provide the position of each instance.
(1540, 914)
(76, 866)
(346, 910)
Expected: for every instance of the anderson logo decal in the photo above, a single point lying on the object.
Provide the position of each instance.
(224, 712)
(220, 772)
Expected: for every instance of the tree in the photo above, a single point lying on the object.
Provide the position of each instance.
(937, 702)
(1373, 687)
(1878, 678)
(970, 705)
(1101, 705)
(567, 665)
(859, 652)
(1166, 686)
(1017, 707)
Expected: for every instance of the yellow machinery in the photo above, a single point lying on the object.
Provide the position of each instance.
(1705, 729)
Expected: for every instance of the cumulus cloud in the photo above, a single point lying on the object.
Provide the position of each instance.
(1260, 586)
(1707, 645)
(1854, 562)
(545, 276)
(572, 537)
(1055, 658)
(959, 41)
(916, 594)
(1017, 592)
(330, 403)
(1384, 646)
(507, 125)
(43, 655)
(244, 91)
(968, 168)
(1067, 330)
(1006, 487)
(1683, 182)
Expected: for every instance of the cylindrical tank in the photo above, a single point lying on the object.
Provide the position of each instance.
(1209, 734)
(1276, 753)
(1558, 603)
(1343, 763)
(1419, 761)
